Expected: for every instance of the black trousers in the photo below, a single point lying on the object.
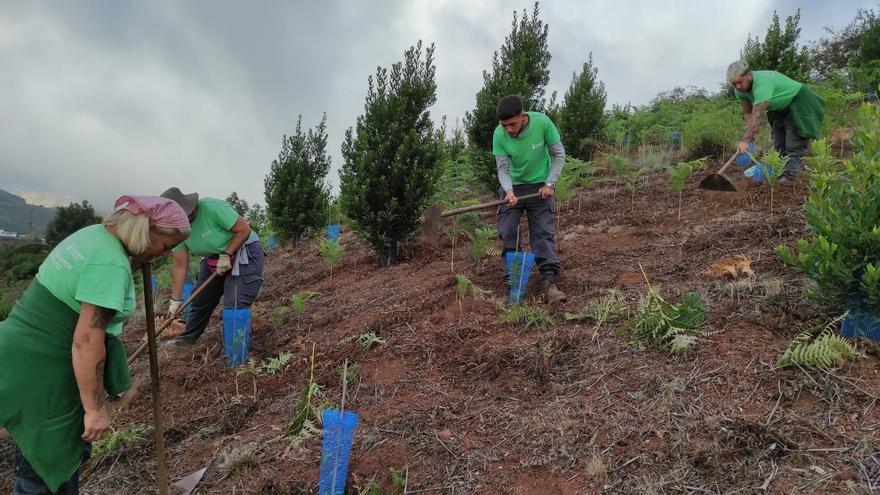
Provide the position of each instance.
(542, 227)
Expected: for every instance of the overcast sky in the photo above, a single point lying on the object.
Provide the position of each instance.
(103, 98)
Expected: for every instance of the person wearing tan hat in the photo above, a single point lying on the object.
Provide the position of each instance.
(228, 246)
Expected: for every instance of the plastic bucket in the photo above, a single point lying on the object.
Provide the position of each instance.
(236, 335)
(184, 295)
(519, 268)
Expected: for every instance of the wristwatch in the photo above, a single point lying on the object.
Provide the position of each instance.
(550, 185)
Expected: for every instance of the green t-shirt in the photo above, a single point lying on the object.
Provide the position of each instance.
(769, 85)
(91, 266)
(210, 230)
(528, 153)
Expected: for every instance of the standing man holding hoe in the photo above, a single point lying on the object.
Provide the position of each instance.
(795, 112)
(523, 144)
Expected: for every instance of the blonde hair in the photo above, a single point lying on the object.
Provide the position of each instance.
(134, 230)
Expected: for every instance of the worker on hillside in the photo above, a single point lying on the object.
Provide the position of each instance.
(229, 247)
(523, 144)
(60, 354)
(795, 112)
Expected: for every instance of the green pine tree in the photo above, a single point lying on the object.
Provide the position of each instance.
(779, 51)
(68, 220)
(521, 67)
(296, 193)
(581, 119)
(391, 157)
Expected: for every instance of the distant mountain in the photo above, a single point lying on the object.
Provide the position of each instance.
(18, 216)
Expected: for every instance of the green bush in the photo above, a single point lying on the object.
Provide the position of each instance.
(841, 256)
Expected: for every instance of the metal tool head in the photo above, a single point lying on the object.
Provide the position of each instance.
(717, 182)
(430, 221)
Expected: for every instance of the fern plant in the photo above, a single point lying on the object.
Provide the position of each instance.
(525, 315)
(679, 174)
(298, 301)
(481, 244)
(819, 348)
(332, 252)
(252, 369)
(276, 364)
(118, 439)
(606, 309)
(368, 340)
(772, 166)
(666, 325)
(460, 226)
(307, 412)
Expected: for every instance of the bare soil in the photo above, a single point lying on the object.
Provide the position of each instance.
(458, 403)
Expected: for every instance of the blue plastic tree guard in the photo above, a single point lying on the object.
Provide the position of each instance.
(861, 322)
(154, 283)
(519, 268)
(333, 233)
(271, 242)
(336, 450)
(236, 335)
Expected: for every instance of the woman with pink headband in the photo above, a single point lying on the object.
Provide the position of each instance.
(60, 352)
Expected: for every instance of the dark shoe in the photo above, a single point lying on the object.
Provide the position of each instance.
(183, 341)
(552, 294)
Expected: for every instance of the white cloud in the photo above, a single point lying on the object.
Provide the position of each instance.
(105, 98)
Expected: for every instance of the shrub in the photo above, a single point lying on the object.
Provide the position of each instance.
(841, 256)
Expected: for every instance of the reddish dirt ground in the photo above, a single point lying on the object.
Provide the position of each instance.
(459, 403)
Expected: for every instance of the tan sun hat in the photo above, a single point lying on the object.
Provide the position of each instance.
(186, 201)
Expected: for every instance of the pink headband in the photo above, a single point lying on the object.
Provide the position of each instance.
(162, 212)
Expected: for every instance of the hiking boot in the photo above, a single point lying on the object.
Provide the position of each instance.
(552, 294)
(183, 341)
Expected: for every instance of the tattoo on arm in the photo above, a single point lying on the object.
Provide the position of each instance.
(758, 113)
(101, 317)
(98, 392)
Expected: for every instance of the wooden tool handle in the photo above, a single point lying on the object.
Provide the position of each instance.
(480, 206)
(728, 163)
(168, 320)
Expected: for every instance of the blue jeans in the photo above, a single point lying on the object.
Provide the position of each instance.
(28, 482)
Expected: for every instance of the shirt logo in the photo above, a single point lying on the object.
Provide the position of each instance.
(537, 145)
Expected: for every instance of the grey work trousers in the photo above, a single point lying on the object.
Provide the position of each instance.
(237, 292)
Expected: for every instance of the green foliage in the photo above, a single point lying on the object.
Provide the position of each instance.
(840, 256)
(779, 51)
(116, 441)
(481, 244)
(332, 252)
(21, 261)
(674, 327)
(575, 174)
(606, 309)
(391, 158)
(467, 288)
(843, 48)
(277, 316)
(772, 166)
(254, 215)
(307, 412)
(520, 67)
(819, 348)
(296, 192)
(582, 114)
(68, 220)
(368, 340)
(276, 364)
(525, 315)
(208, 431)
(679, 174)
(298, 301)
(351, 373)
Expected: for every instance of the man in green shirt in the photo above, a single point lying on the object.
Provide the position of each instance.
(523, 144)
(795, 112)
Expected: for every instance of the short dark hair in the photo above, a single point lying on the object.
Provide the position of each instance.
(509, 106)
